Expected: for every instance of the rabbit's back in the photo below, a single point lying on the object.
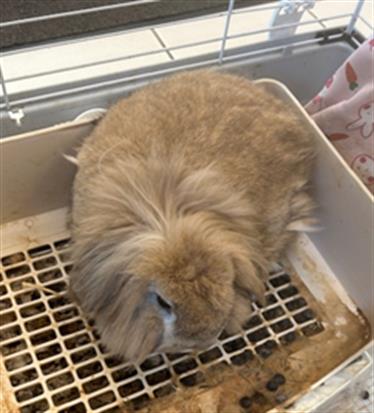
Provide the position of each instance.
(207, 117)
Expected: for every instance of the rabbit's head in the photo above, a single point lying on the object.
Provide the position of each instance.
(193, 284)
(177, 285)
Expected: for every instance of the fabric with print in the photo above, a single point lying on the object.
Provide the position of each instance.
(344, 110)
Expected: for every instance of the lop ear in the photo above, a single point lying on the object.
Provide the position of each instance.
(104, 285)
(248, 286)
(99, 274)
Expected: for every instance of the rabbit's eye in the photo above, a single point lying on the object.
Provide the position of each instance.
(163, 304)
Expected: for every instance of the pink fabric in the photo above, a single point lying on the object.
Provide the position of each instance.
(344, 110)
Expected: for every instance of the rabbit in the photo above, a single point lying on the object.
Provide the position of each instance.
(186, 192)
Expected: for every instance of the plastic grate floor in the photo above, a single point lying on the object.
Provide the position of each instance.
(55, 361)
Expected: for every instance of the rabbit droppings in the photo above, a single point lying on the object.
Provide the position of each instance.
(185, 192)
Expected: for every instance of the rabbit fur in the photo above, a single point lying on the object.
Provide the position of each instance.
(186, 191)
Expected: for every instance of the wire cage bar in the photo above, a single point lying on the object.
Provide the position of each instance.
(4, 91)
(11, 99)
(355, 16)
(226, 30)
(89, 10)
(172, 49)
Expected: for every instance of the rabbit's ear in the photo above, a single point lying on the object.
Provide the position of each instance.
(99, 274)
(106, 288)
(248, 286)
(248, 281)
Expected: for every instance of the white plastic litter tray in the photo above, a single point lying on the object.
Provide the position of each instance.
(315, 325)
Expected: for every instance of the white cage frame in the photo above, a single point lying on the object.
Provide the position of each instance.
(12, 104)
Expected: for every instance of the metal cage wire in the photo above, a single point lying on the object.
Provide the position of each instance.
(12, 104)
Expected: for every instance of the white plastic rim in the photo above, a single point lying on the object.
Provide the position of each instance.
(91, 114)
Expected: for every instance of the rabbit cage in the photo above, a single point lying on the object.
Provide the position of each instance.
(314, 332)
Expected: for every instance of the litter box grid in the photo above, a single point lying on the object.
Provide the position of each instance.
(50, 349)
(63, 380)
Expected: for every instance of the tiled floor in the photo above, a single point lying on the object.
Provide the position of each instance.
(45, 66)
(56, 59)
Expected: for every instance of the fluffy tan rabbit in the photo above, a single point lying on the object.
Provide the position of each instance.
(186, 191)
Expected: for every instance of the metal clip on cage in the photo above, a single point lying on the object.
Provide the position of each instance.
(289, 13)
(14, 114)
